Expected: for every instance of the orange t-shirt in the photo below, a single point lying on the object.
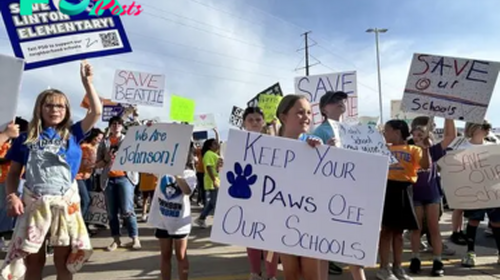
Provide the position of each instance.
(89, 154)
(115, 173)
(408, 157)
(4, 168)
(148, 182)
(199, 164)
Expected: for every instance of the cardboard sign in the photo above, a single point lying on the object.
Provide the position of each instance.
(471, 177)
(11, 72)
(158, 149)
(363, 138)
(49, 37)
(97, 213)
(322, 211)
(272, 90)
(182, 109)
(131, 87)
(268, 103)
(448, 87)
(236, 118)
(315, 86)
(204, 122)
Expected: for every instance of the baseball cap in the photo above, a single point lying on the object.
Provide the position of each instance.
(332, 97)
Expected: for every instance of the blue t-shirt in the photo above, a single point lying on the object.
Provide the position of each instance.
(428, 186)
(324, 131)
(50, 139)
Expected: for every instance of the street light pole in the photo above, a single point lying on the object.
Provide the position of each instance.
(377, 31)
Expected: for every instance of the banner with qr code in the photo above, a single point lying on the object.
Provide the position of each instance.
(236, 118)
(49, 37)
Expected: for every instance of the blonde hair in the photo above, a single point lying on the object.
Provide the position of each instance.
(286, 103)
(470, 128)
(36, 124)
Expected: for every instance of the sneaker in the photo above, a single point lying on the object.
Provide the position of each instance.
(136, 243)
(113, 246)
(400, 273)
(437, 268)
(334, 269)
(254, 276)
(458, 238)
(385, 273)
(145, 218)
(469, 260)
(201, 223)
(415, 265)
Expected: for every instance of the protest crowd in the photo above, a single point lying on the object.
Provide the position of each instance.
(64, 180)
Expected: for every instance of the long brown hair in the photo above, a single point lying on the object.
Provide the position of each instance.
(36, 124)
(286, 103)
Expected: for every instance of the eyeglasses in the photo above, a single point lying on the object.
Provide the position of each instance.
(50, 106)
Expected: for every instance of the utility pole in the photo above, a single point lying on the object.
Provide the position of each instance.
(306, 52)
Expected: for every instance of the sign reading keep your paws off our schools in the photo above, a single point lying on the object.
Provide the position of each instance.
(284, 196)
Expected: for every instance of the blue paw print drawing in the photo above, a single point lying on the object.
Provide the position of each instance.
(169, 187)
(240, 181)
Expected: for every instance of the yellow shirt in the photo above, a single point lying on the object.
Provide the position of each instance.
(210, 159)
(408, 157)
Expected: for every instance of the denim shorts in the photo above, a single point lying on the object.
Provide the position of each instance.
(478, 214)
(426, 202)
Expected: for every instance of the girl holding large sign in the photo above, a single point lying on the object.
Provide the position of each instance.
(294, 113)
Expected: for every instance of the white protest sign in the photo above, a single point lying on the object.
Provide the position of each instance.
(97, 213)
(11, 72)
(360, 137)
(223, 147)
(322, 211)
(159, 149)
(448, 87)
(397, 114)
(204, 122)
(315, 86)
(138, 88)
(471, 177)
(369, 120)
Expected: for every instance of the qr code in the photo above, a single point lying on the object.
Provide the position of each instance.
(236, 121)
(110, 40)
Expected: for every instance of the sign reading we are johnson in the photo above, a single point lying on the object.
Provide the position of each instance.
(75, 7)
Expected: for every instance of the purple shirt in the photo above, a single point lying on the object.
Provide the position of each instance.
(428, 185)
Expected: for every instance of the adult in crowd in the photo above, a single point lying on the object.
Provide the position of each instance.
(89, 156)
(118, 187)
(50, 155)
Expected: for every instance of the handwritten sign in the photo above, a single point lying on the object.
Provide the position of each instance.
(97, 213)
(315, 86)
(448, 87)
(49, 37)
(204, 122)
(322, 211)
(182, 109)
(138, 88)
(11, 72)
(373, 121)
(272, 90)
(269, 103)
(471, 177)
(236, 118)
(159, 149)
(364, 138)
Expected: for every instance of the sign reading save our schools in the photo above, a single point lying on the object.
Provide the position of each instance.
(139, 88)
(49, 37)
(314, 87)
(448, 87)
(471, 177)
(363, 138)
(322, 211)
(158, 149)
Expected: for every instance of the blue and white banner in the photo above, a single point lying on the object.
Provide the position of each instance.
(110, 111)
(49, 37)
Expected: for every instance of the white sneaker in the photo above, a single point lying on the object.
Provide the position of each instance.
(144, 218)
(136, 243)
(400, 274)
(201, 223)
(385, 273)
